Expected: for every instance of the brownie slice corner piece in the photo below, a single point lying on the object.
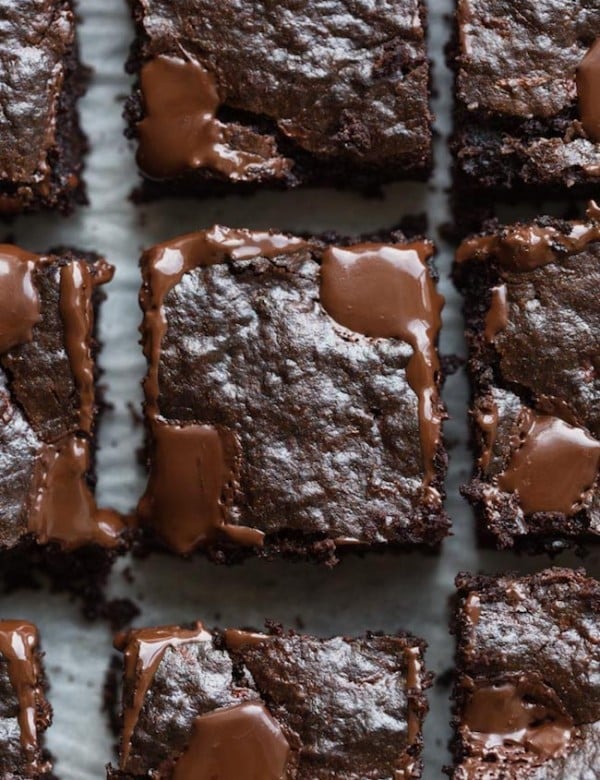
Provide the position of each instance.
(41, 81)
(338, 96)
(527, 699)
(26, 713)
(241, 705)
(301, 381)
(533, 327)
(527, 79)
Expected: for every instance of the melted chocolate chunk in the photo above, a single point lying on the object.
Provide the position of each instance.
(254, 419)
(233, 744)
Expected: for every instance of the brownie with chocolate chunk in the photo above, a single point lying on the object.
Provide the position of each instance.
(533, 327)
(292, 395)
(41, 80)
(243, 95)
(527, 695)
(240, 705)
(527, 114)
(25, 713)
(48, 408)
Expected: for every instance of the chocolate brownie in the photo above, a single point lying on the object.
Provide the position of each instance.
(533, 327)
(527, 115)
(48, 403)
(527, 695)
(41, 80)
(292, 394)
(239, 705)
(25, 714)
(239, 95)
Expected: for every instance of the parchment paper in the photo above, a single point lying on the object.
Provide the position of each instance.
(384, 592)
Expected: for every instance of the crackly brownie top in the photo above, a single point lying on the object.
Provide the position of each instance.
(528, 692)
(337, 79)
(534, 324)
(35, 36)
(292, 387)
(47, 398)
(24, 711)
(294, 706)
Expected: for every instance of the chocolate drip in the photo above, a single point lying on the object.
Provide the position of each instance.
(523, 716)
(243, 742)
(19, 301)
(18, 641)
(195, 466)
(497, 316)
(554, 467)
(588, 91)
(387, 291)
(143, 650)
(180, 130)
(63, 507)
(526, 247)
(487, 421)
(76, 285)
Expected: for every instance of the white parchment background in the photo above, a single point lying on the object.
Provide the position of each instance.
(378, 592)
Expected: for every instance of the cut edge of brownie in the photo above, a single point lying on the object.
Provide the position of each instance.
(308, 169)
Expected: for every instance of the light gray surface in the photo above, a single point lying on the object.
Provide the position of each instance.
(378, 592)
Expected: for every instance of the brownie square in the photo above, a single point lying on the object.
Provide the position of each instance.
(527, 695)
(292, 394)
(242, 95)
(239, 705)
(25, 714)
(527, 114)
(48, 402)
(533, 327)
(41, 80)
